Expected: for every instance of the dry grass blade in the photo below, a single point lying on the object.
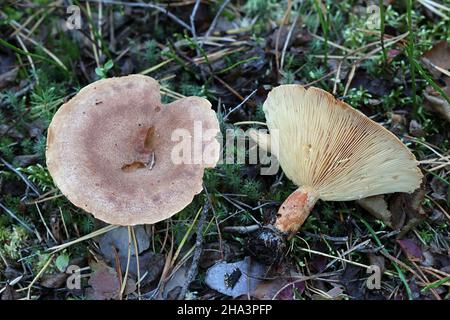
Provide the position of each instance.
(91, 235)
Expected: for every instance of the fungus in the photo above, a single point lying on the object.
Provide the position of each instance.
(331, 152)
(110, 150)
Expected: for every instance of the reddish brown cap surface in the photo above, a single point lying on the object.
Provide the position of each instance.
(110, 150)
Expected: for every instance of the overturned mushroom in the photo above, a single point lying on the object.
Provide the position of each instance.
(331, 152)
(110, 150)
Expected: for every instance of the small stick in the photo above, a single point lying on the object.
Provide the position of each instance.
(216, 18)
(45, 224)
(91, 32)
(40, 273)
(240, 104)
(64, 223)
(138, 271)
(197, 253)
(21, 176)
(192, 19)
(145, 5)
(125, 277)
(12, 215)
(288, 38)
(242, 229)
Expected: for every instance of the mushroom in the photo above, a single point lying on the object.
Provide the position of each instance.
(110, 150)
(331, 152)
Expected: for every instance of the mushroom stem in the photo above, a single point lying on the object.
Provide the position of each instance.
(294, 210)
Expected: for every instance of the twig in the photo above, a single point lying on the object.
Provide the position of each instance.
(21, 176)
(286, 43)
(12, 215)
(240, 104)
(241, 229)
(91, 33)
(192, 19)
(277, 39)
(197, 253)
(125, 277)
(19, 93)
(138, 268)
(342, 259)
(231, 89)
(30, 59)
(216, 18)
(391, 42)
(219, 233)
(45, 224)
(326, 237)
(41, 272)
(145, 5)
(91, 235)
(193, 31)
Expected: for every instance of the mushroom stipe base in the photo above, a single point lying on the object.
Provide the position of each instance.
(294, 211)
(269, 243)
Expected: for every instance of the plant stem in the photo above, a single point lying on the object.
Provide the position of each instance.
(382, 22)
(410, 51)
(325, 27)
(430, 81)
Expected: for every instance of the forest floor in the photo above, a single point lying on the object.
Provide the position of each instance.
(391, 63)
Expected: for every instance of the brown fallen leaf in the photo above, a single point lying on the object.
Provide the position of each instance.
(8, 77)
(9, 130)
(10, 294)
(352, 282)
(212, 253)
(150, 263)
(407, 211)
(440, 188)
(24, 160)
(335, 293)
(118, 239)
(105, 283)
(411, 250)
(377, 206)
(54, 281)
(279, 289)
(438, 55)
(435, 102)
(403, 211)
(415, 129)
(173, 285)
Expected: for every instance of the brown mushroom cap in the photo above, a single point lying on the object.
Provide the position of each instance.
(109, 150)
(335, 150)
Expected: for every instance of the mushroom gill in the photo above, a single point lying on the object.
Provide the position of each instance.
(332, 152)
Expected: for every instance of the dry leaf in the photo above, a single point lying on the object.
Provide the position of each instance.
(8, 77)
(54, 281)
(279, 289)
(439, 56)
(118, 239)
(377, 206)
(412, 251)
(407, 211)
(105, 283)
(435, 102)
(10, 293)
(235, 279)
